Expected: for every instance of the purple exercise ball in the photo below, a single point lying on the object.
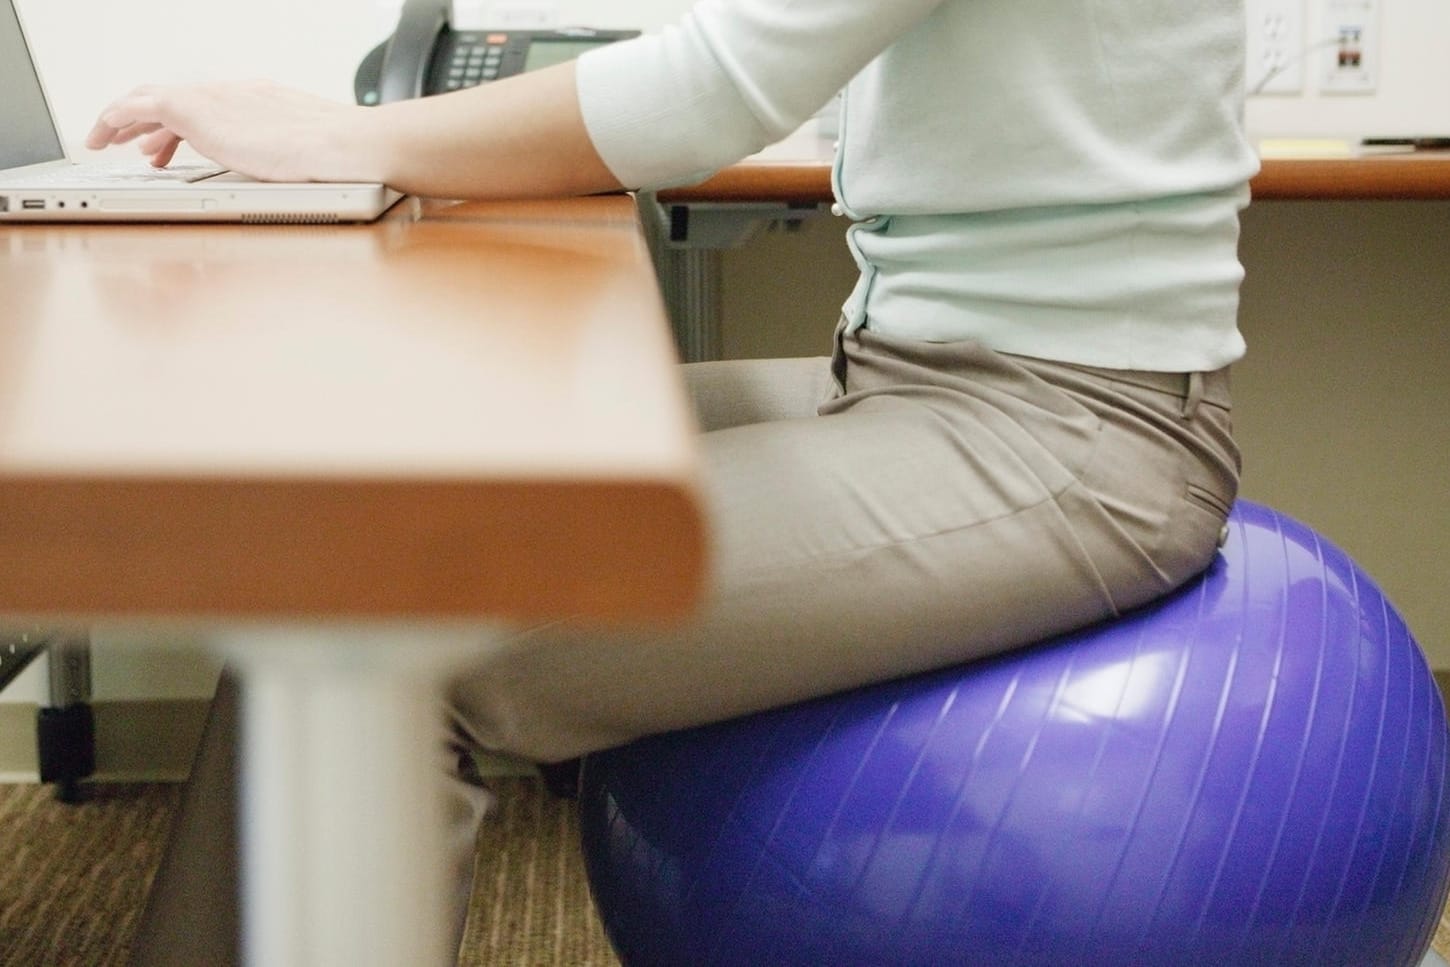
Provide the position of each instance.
(1251, 771)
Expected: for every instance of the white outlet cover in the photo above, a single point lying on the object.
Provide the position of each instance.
(1274, 54)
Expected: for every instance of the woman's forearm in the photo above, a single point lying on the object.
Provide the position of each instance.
(516, 138)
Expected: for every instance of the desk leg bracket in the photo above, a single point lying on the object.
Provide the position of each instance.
(686, 241)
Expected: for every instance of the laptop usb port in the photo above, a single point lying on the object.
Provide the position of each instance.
(32, 204)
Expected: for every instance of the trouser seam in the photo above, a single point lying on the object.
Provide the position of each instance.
(1194, 395)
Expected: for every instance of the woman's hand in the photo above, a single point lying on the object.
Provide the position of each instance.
(256, 128)
(521, 137)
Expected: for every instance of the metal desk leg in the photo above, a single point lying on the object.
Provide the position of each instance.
(686, 242)
(66, 729)
(690, 285)
(344, 837)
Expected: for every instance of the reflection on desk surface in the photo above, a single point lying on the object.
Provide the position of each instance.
(319, 334)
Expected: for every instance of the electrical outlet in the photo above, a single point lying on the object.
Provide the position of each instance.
(1274, 61)
(1350, 58)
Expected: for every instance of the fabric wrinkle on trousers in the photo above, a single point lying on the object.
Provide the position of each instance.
(897, 508)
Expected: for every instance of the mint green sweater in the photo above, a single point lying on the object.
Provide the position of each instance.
(1055, 178)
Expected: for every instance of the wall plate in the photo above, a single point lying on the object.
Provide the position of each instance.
(1274, 62)
(1349, 61)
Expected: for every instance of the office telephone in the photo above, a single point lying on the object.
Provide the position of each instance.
(425, 55)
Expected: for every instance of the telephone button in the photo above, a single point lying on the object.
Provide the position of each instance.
(496, 39)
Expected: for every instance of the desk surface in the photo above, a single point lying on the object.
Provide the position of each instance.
(461, 410)
(798, 171)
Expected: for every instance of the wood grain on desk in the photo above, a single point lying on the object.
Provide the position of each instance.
(798, 171)
(461, 410)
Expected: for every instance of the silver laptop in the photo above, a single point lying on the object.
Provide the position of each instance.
(39, 183)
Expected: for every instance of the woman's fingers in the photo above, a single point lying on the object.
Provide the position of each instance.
(133, 131)
(258, 129)
(160, 146)
(126, 118)
(138, 117)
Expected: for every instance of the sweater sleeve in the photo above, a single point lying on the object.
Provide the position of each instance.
(731, 78)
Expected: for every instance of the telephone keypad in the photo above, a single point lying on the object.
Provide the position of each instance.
(474, 61)
(468, 58)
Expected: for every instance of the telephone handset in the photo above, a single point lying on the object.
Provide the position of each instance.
(426, 56)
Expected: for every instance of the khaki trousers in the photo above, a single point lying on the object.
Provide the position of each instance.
(897, 508)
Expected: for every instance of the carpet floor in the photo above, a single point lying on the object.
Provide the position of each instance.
(73, 879)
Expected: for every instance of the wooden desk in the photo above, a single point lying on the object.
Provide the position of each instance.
(1418, 176)
(343, 453)
(798, 171)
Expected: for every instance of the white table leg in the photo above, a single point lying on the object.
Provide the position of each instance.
(343, 833)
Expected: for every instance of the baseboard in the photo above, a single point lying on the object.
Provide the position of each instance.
(137, 741)
(17, 743)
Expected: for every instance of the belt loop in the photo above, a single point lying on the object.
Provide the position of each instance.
(1195, 395)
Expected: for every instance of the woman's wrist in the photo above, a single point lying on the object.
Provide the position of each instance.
(364, 144)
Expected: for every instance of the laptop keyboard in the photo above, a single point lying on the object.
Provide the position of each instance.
(119, 173)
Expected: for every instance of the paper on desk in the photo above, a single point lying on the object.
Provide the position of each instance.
(1324, 148)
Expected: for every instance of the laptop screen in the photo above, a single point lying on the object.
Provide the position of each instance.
(27, 134)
